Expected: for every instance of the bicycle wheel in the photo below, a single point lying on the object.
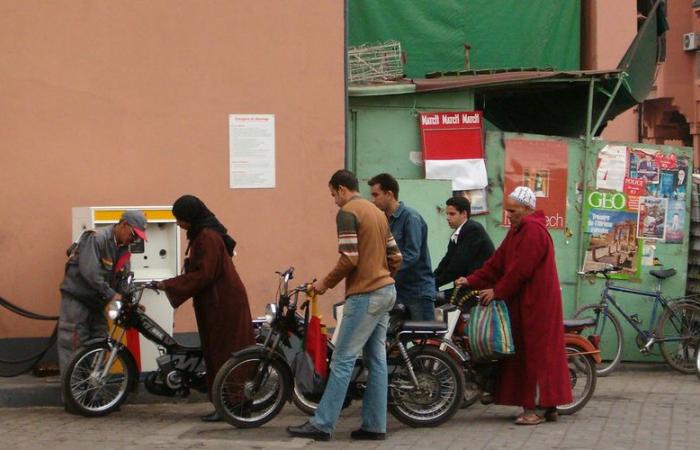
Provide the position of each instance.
(582, 376)
(92, 389)
(680, 322)
(236, 396)
(609, 330)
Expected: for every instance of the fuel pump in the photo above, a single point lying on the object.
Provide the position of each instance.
(155, 259)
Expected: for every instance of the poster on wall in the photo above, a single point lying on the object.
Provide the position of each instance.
(251, 151)
(648, 249)
(612, 167)
(672, 181)
(634, 188)
(651, 223)
(612, 230)
(643, 165)
(541, 166)
(477, 200)
(453, 148)
(675, 220)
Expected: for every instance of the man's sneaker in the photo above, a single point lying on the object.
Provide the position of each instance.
(308, 431)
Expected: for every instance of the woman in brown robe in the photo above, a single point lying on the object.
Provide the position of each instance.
(210, 279)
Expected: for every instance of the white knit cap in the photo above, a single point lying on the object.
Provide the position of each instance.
(524, 196)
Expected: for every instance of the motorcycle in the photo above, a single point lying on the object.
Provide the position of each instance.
(103, 373)
(582, 354)
(252, 387)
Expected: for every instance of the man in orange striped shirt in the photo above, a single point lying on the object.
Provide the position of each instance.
(369, 257)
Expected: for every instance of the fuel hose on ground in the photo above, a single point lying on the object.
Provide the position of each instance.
(26, 364)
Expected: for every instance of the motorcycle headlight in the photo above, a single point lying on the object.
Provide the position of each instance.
(114, 308)
(270, 312)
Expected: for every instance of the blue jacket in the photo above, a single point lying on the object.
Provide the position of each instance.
(415, 277)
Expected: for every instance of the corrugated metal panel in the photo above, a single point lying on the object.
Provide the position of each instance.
(490, 79)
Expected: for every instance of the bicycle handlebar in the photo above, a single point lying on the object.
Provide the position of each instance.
(603, 272)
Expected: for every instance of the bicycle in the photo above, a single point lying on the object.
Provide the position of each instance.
(678, 323)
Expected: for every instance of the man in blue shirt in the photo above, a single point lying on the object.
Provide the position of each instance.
(415, 285)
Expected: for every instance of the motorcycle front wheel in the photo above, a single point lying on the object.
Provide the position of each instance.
(582, 377)
(439, 392)
(251, 390)
(95, 384)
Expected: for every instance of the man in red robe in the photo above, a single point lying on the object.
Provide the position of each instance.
(523, 272)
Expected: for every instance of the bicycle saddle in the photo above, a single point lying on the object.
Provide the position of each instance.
(663, 274)
(573, 324)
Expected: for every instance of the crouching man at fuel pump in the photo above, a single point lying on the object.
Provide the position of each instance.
(93, 276)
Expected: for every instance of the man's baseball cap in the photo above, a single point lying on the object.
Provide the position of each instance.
(137, 220)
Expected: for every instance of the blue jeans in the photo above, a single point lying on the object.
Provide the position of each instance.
(421, 308)
(365, 319)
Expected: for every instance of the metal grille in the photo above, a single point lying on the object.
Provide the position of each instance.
(381, 62)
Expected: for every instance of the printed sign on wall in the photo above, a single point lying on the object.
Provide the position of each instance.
(251, 151)
(541, 166)
(613, 233)
(453, 148)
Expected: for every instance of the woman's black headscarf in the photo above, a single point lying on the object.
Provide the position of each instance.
(192, 210)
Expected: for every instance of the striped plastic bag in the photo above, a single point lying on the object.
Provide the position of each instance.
(489, 332)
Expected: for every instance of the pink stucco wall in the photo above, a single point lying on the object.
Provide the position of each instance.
(611, 27)
(127, 103)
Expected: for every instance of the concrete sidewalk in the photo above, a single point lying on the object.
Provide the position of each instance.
(640, 407)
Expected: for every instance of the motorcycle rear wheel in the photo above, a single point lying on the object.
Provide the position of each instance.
(441, 388)
(239, 401)
(87, 392)
(583, 379)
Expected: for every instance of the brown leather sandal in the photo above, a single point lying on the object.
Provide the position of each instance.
(529, 419)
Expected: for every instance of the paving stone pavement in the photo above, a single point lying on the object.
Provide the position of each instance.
(640, 407)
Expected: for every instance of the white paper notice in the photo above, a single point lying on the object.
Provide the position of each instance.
(252, 150)
(612, 168)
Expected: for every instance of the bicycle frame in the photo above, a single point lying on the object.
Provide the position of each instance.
(606, 299)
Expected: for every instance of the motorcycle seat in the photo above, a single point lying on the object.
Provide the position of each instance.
(189, 348)
(663, 274)
(428, 326)
(572, 324)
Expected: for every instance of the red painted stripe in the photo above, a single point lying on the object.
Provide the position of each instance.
(134, 345)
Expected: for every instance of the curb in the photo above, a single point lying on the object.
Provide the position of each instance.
(27, 391)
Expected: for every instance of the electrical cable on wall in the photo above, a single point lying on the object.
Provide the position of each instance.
(33, 359)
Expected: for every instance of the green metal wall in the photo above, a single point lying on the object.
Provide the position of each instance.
(501, 33)
(384, 132)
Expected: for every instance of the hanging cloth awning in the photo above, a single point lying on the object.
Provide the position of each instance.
(559, 103)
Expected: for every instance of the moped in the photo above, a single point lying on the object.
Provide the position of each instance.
(251, 388)
(582, 353)
(101, 375)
